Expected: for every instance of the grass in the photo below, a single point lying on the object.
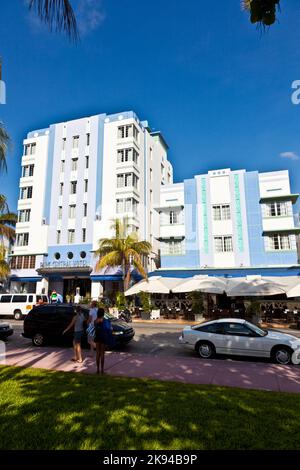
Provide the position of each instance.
(54, 410)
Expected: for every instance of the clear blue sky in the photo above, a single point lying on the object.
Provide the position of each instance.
(217, 88)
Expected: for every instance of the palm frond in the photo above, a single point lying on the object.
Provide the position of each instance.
(4, 145)
(58, 15)
(109, 260)
(7, 232)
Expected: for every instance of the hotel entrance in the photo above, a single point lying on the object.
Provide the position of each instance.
(72, 284)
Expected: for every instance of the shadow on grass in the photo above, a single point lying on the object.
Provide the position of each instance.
(54, 410)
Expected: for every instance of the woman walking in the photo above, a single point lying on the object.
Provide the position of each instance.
(103, 333)
(77, 324)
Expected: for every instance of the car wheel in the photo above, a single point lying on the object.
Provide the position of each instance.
(282, 355)
(205, 350)
(38, 339)
(18, 315)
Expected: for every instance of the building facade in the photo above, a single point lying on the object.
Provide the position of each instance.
(76, 178)
(228, 220)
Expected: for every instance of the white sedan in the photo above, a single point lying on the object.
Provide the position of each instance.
(239, 337)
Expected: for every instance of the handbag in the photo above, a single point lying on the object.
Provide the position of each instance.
(90, 331)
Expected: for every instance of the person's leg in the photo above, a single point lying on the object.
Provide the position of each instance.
(75, 350)
(98, 352)
(79, 355)
(102, 357)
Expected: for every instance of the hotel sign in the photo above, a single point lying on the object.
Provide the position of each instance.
(65, 264)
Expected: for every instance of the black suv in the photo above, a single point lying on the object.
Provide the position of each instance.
(46, 323)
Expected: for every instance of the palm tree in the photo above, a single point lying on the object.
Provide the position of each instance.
(262, 12)
(4, 144)
(7, 222)
(4, 266)
(123, 250)
(57, 14)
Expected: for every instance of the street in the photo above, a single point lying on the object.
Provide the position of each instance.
(159, 339)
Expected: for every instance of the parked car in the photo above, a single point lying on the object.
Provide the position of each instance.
(18, 305)
(6, 330)
(239, 337)
(46, 323)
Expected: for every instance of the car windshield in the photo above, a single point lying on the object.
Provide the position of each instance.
(256, 329)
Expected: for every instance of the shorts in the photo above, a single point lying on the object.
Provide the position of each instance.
(78, 336)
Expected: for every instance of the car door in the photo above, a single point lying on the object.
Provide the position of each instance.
(63, 319)
(212, 332)
(241, 340)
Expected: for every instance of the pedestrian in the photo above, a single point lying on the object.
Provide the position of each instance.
(103, 336)
(77, 323)
(53, 297)
(77, 298)
(91, 320)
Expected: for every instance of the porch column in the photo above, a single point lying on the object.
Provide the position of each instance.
(97, 290)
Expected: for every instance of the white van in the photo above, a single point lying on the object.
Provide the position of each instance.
(18, 305)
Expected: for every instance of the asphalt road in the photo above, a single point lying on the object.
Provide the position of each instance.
(150, 338)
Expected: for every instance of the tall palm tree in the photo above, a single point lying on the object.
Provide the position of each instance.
(123, 250)
(57, 14)
(7, 222)
(262, 11)
(4, 144)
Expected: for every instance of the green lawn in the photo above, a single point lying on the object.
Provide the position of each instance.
(53, 410)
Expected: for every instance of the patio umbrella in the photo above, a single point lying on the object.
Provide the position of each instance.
(294, 291)
(207, 284)
(254, 286)
(154, 285)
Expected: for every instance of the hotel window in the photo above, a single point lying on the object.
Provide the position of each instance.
(277, 209)
(128, 131)
(83, 235)
(19, 262)
(64, 141)
(58, 233)
(30, 149)
(22, 239)
(73, 187)
(127, 180)
(86, 161)
(174, 217)
(88, 140)
(86, 185)
(119, 206)
(223, 244)
(84, 210)
(61, 189)
(72, 211)
(59, 213)
(221, 212)
(26, 193)
(71, 236)
(76, 142)
(281, 242)
(27, 171)
(24, 215)
(28, 262)
(62, 166)
(74, 164)
(172, 247)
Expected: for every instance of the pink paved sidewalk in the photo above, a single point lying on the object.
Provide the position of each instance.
(255, 375)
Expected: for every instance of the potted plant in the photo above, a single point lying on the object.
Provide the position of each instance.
(196, 298)
(146, 305)
(254, 311)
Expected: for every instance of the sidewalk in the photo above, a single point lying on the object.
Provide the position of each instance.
(231, 373)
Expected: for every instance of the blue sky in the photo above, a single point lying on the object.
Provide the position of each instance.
(218, 89)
